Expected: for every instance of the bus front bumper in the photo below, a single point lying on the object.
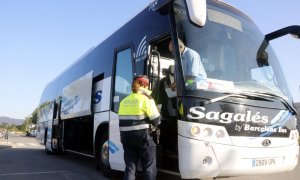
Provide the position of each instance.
(200, 159)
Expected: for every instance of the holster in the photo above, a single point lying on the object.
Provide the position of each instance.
(154, 133)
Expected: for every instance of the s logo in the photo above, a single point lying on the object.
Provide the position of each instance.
(98, 97)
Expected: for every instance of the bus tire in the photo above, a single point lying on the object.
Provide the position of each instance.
(103, 158)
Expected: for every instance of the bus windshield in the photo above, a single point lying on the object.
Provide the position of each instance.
(228, 46)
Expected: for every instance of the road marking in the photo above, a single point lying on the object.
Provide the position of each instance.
(26, 145)
(35, 173)
(33, 144)
(20, 144)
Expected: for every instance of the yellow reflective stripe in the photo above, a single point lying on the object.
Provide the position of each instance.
(132, 128)
(132, 117)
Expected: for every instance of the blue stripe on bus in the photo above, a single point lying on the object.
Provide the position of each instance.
(112, 147)
(285, 116)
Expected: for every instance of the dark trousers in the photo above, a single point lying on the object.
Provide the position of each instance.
(143, 149)
(168, 138)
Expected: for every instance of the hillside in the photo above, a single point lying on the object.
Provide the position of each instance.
(10, 121)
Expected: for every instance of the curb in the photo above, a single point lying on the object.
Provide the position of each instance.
(4, 146)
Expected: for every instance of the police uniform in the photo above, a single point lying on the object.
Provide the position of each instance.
(137, 111)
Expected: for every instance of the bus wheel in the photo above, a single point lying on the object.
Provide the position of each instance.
(103, 158)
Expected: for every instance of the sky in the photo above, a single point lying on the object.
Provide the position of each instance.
(41, 38)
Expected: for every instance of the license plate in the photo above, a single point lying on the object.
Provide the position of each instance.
(264, 162)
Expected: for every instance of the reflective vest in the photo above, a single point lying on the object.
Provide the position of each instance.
(136, 111)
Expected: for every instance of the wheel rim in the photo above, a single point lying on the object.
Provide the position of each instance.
(104, 154)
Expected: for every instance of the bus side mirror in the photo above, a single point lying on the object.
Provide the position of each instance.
(297, 36)
(292, 30)
(262, 55)
(197, 11)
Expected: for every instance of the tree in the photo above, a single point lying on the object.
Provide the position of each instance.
(22, 127)
(29, 120)
(34, 116)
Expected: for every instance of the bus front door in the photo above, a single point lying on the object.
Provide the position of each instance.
(54, 131)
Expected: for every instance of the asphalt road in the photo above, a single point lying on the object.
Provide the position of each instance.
(26, 160)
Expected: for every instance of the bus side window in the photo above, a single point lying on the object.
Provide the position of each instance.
(123, 77)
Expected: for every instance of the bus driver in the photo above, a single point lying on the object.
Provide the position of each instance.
(191, 62)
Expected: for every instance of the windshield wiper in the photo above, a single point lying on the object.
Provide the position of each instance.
(223, 97)
(247, 95)
(281, 99)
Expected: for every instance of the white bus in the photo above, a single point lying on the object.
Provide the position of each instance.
(239, 120)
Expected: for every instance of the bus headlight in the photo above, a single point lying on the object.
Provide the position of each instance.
(207, 132)
(294, 135)
(220, 134)
(195, 131)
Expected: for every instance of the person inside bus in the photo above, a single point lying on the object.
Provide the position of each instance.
(168, 103)
(191, 62)
(138, 113)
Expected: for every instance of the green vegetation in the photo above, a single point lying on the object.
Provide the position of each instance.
(25, 127)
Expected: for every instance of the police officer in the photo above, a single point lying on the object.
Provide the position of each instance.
(137, 111)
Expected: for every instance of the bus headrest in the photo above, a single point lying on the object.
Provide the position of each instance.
(165, 71)
(171, 69)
